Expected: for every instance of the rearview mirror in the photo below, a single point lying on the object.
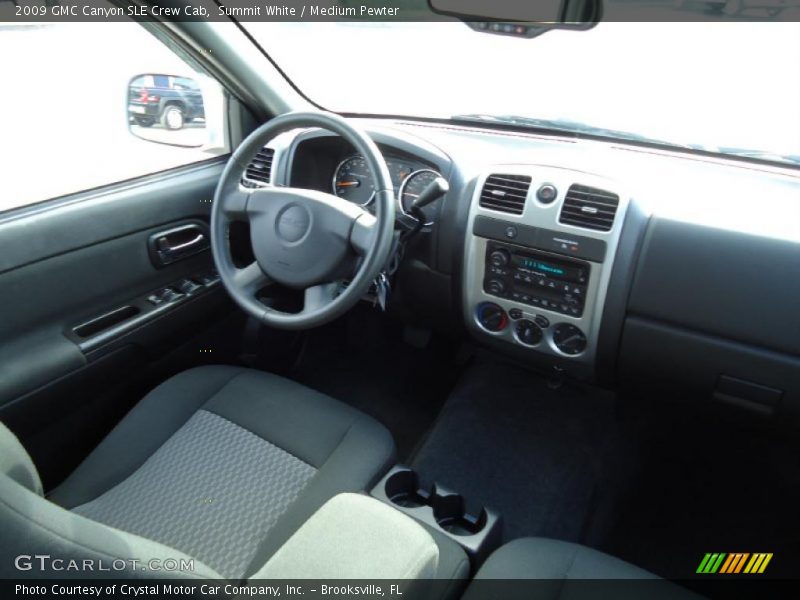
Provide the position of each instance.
(168, 109)
(519, 17)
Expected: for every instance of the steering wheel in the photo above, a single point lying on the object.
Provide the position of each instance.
(304, 239)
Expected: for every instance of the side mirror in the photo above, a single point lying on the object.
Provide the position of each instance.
(167, 109)
(520, 18)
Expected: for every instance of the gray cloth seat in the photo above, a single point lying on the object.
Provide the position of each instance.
(546, 569)
(222, 464)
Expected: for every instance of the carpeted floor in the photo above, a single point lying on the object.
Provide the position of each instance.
(505, 440)
(658, 488)
(363, 361)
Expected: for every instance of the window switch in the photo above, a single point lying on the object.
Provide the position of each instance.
(187, 286)
(207, 278)
(168, 294)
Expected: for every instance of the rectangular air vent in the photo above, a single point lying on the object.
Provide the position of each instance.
(258, 171)
(505, 193)
(589, 207)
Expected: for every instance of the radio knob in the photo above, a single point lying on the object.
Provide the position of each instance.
(495, 286)
(499, 258)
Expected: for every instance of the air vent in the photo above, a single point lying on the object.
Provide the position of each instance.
(258, 171)
(589, 207)
(505, 193)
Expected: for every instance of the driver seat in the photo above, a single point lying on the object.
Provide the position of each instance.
(219, 464)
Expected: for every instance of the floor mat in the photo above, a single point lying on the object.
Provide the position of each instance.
(362, 360)
(536, 455)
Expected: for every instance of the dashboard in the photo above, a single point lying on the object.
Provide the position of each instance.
(605, 261)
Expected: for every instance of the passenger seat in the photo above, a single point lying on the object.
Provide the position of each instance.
(562, 570)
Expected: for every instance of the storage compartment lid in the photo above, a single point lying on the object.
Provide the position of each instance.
(356, 537)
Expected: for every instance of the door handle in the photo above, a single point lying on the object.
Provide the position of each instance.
(180, 242)
(170, 248)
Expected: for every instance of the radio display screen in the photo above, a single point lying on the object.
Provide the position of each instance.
(549, 268)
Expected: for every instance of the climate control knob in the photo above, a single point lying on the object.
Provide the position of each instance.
(528, 332)
(492, 317)
(499, 258)
(569, 339)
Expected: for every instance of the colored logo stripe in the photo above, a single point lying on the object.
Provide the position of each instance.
(758, 563)
(711, 562)
(721, 562)
(734, 563)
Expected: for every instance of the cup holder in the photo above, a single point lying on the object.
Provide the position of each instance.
(450, 515)
(403, 489)
(441, 509)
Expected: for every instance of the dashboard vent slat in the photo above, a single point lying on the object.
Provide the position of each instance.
(505, 193)
(589, 207)
(257, 173)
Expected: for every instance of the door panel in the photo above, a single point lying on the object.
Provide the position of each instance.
(86, 261)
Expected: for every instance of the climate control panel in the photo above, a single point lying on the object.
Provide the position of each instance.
(530, 330)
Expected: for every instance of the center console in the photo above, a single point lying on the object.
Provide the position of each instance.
(538, 256)
(477, 531)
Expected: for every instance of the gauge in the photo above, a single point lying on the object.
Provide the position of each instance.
(411, 189)
(352, 181)
(398, 170)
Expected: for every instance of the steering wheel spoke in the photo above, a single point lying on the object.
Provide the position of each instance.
(250, 279)
(362, 235)
(319, 296)
(234, 204)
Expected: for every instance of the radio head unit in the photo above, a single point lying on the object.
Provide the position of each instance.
(536, 278)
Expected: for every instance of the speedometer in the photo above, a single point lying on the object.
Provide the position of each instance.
(352, 181)
(411, 189)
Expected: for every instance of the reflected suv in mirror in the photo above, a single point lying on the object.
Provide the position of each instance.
(168, 100)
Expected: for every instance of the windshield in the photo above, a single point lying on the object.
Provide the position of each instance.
(725, 87)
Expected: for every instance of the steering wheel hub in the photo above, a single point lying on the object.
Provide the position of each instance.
(293, 223)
